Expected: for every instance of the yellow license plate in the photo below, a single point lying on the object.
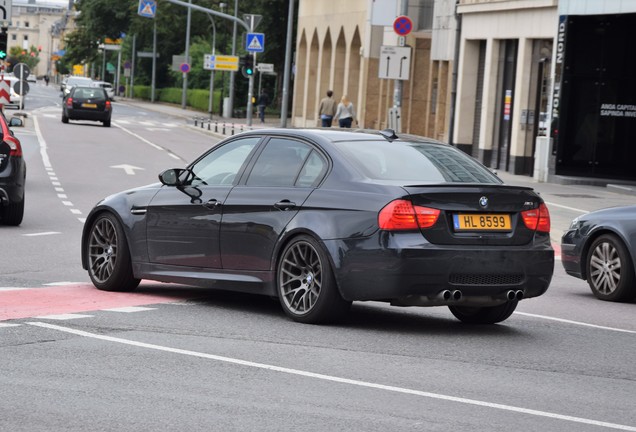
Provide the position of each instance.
(89, 105)
(482, 222)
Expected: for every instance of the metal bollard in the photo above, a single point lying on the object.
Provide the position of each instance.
(196, 119)
(241, 128)
(223, 128)
(232, 128)
(216, 126)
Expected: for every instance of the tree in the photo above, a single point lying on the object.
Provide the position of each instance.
(30, 57)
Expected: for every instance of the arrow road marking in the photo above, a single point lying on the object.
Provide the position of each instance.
(128, 169)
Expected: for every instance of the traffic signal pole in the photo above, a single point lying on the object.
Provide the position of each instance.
(250, 93)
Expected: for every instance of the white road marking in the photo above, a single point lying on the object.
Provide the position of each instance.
(12, 288)
(139, 137)
(576, 322)
(41, 234)
(8, 325)
(63, 317)
(338, 379)
(130, 309)
(64, 283)
(49, 169)
(551, 204)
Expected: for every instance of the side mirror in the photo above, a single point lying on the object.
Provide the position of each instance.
(16, 122)
(171, 177)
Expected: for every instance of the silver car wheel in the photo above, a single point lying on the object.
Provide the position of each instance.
(300, 279)
(103, 247)
(605, 268)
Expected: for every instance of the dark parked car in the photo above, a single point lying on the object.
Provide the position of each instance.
(87, 103)
(321, 218)
(12, 173)
(600, 247)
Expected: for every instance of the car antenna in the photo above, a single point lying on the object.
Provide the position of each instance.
(389, 134)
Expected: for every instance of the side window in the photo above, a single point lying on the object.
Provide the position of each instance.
(221, 165)
(279, 164)
(313, 170)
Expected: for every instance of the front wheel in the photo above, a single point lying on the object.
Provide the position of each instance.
(610, 272)
(484, 315)
(307, 288)
(109, 263)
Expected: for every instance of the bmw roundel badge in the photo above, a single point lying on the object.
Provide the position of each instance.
(483, 202)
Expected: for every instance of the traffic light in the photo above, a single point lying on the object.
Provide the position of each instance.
(247, 65)
(3, 43)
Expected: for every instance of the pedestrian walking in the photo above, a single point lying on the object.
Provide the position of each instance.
(346, 113)
(263, 101)
(327, 109)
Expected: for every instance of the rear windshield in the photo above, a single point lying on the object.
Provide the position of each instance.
(94, 93)
(415, 163)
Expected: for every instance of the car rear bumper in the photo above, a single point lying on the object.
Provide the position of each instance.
(77, 114)
(407, 267)
(12, 182)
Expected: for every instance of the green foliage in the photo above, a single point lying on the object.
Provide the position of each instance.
(99, 19)
(30, 57)
(197, 99)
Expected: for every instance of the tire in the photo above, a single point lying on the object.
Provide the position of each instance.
(610, 270)
(307, 288)
(484, 315)
(13, 213)
(106, 123)
(109, 263)
(64, 119)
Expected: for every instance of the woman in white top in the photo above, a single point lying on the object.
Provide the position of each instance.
(345, 113)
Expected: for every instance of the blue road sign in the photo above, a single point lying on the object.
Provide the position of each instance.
(147, 8)
(255, 42)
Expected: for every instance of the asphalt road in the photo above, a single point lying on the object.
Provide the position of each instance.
(179, 358)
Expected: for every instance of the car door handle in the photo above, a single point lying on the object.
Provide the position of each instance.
(285, 205)
(212, 204)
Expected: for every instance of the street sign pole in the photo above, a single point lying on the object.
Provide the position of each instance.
(250, 89)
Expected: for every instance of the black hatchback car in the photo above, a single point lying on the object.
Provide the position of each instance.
(12, 173)
(321, 218)
(87, 103)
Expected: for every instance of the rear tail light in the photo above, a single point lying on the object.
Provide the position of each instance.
(403, 215)
(107, 104)
(69, 102)
(537, 219)
(16, 149)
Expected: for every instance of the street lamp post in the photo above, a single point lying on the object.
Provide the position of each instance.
(212, 71)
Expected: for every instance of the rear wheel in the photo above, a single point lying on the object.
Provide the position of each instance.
(107, 123)
(610, 271)
(307, 288)
(64, 118)
(13, 213)
(109, 263)
(484, 315)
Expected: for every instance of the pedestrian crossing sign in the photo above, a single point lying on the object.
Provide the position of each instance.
(255, 42)
(147, 8)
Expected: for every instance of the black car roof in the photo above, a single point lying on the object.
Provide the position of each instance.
(338, 135)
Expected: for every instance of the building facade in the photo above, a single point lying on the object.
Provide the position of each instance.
(594, 98)
(41, 26)
(338, 48)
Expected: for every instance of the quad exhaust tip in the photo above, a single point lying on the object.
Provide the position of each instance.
(514, 295)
